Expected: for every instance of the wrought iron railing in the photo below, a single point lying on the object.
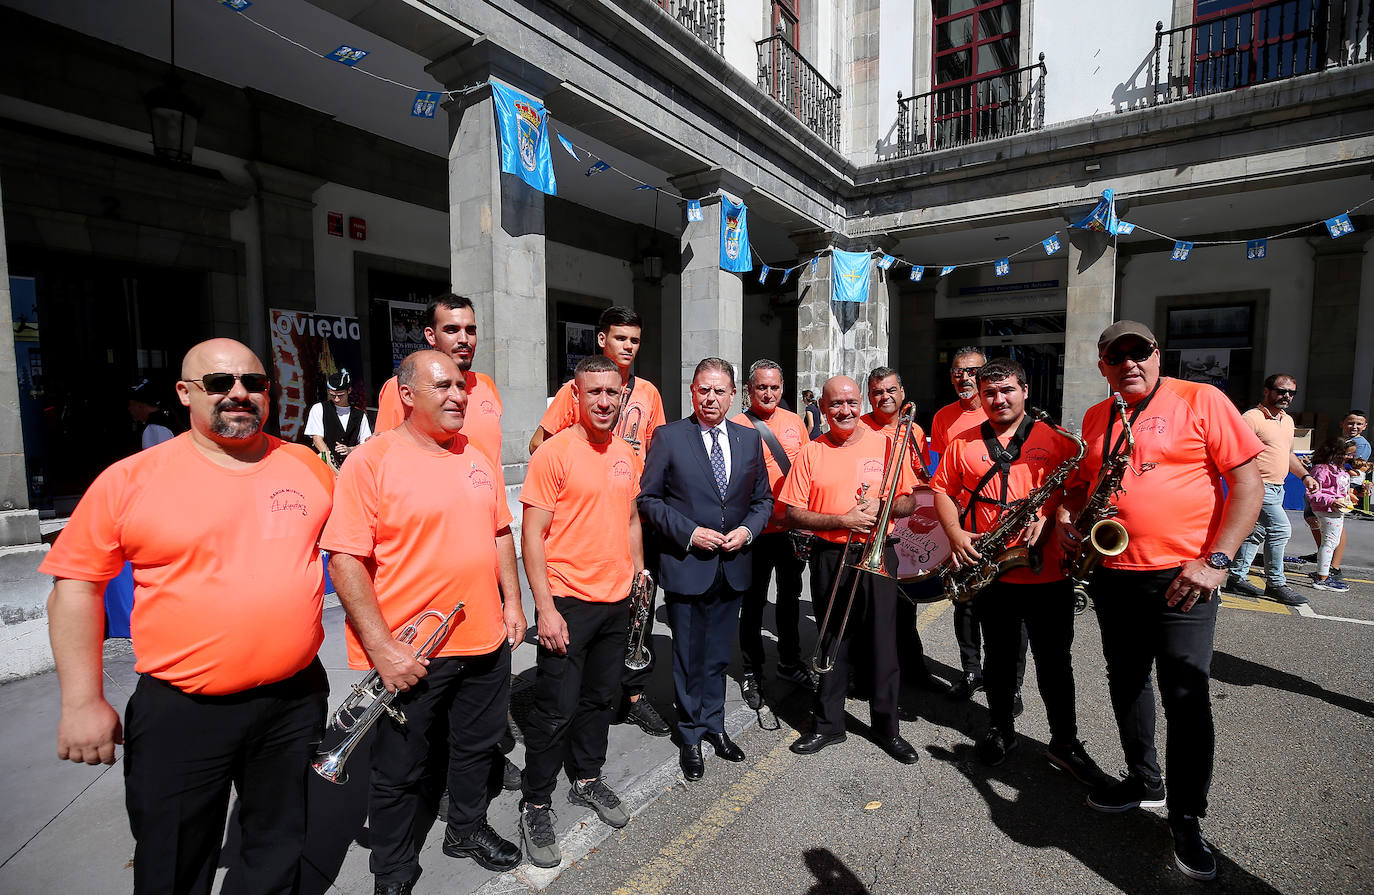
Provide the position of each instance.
(998, 105)
(1274, 42)
(704, 18)
(787, 77)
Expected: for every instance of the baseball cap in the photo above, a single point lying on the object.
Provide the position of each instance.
(144, 392)
(1121, 329)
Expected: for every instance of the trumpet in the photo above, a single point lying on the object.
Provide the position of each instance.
(871, 560)
(370, 700)
(642, 591)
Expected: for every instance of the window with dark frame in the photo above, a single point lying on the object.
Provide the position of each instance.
(972, 40)
(1237, 43)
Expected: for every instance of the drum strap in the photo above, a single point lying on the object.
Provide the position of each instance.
(1001, 459)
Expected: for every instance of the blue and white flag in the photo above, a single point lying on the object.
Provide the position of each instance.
(1256, 249)
(886, 261)
(567, 144)
(786, 275)
(236, 5)
(1124, 228)
(1103, 216)
(1181, 251)
(1051, 244)
(947, 269)
(849, 275)
(425, 105)
(734, 236)
(763, 274)
(597, 167)
(347, 55)
(1339, 226)
(815, 263)
(523, 125)
(645, 186)
(1003, 267)
(917, 271)
(694, 210)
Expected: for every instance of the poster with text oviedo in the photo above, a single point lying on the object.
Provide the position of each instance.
(306, 349)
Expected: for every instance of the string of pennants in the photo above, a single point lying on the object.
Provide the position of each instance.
(524, 125)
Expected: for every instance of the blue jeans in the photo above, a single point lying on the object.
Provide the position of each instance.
(1272, 530)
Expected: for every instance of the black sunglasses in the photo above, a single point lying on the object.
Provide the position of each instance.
(223, 383)
(1137, 354)
(1284, 391)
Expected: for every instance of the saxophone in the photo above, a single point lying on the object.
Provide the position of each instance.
(1101, 535)
(965, 583)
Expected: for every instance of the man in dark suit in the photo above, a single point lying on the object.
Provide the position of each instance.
(705, 491)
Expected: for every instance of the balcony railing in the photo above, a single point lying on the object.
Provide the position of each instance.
(994, 106)
(787, 77)
(704, 18)
(1269, 43)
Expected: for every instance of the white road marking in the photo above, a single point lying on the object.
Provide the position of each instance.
(1307, 611)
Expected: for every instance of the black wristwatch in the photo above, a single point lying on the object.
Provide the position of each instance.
(1219, 561)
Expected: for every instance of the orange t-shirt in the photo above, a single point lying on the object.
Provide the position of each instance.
(425, 525)
(642, 415)
(826, 479)
(228, 581)
(918, 441)
(1188, 436)
(951, 420)
(591, 491)
(481, 422)
(965, 463)
(790, 432)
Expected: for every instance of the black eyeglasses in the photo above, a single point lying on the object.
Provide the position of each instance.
(223, 383)
(1284, 391)
(1138, 354)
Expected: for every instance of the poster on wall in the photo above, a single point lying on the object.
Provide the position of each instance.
(579, 341)
(307, 348)
(1209, 365)
(407, 330)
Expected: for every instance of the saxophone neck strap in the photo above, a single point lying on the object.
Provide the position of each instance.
(1108, 449)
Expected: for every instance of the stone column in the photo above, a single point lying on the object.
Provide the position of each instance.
(712, 299)
(1337, 269)
(496, 242)
(285, 202)
(1091, 309)
(18, 524)
(836, 338)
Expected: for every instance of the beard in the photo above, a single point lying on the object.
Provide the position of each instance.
(234, 429)
(966, 393)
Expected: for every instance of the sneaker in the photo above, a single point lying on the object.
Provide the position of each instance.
(797, 673)
(1336, 573)
(1284, 594)
(595, 794)
(1299, 560)
(1072, 757)
(1017, 705)
(510, 775)
(1330, 582)
(642, 713)
(1123, 795)
(1192, 854)
(749, 689)
(1243, 588)
(485, 846)
(992, 749)
(536, 832)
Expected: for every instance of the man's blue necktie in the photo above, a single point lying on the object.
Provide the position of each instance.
(718, 462)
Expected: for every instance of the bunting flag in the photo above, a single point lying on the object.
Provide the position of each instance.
(1124, 229)
(236, 5)
(568, 146)
(815, 264)
(1339, 226)
(849, 275)
(1051, 244)
(597, 168)
(917, 271)
(694, 210)
(1256, 249)
(523, 125)
(1181, 251)
(734, 236)
(1103, 216)
(347, 55)
(763, 274)
(645, 186)
(948, 269)
(786, 275)
(885, 262)
(425, 105)
(1003, 267)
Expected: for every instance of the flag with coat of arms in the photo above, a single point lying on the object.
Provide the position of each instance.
(734, 236)
(523, 125)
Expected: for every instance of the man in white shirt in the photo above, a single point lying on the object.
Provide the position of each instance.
(343, 428)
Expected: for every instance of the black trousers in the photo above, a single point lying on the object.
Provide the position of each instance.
(469, 694)
(968, 635)
(1140, 630)
(870, 638)
(1009, 614)
(575, 696)
(703, 639)
(771, 552)
(181, 753)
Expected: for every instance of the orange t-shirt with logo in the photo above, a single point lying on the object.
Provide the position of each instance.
(1184, 440)
(643, 414)
(481, 422)
(950, 421)
(228, 580)
(424, 523)
(591, 491)
(790, 432)
(963, 466)
(826, 479)
(918, 441)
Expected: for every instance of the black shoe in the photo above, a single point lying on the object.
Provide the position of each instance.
(749, 689)
(992, 749)
(815, 742)
(1123, 795)
(485, 846)
(1243, 587)
(642, 713)
(1017, 706)
(969, 684)
(510, 776)
(797, 673)
(1284, 594)
(1072, 757)
(924, 680)
(1192, 854)
(689, 759)
(900, 749)
(724, 746)
(393, 889)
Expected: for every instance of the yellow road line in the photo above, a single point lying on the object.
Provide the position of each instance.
(931, 613)
(1230, 601)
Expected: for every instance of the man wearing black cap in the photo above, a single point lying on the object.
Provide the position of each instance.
(146, 408)
(1156, 601)
(343, 427)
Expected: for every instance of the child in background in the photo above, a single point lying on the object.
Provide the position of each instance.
(1331, 501)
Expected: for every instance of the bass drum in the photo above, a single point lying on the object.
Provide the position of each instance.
(921, 547)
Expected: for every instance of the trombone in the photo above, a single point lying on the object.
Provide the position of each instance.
(871, 560)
